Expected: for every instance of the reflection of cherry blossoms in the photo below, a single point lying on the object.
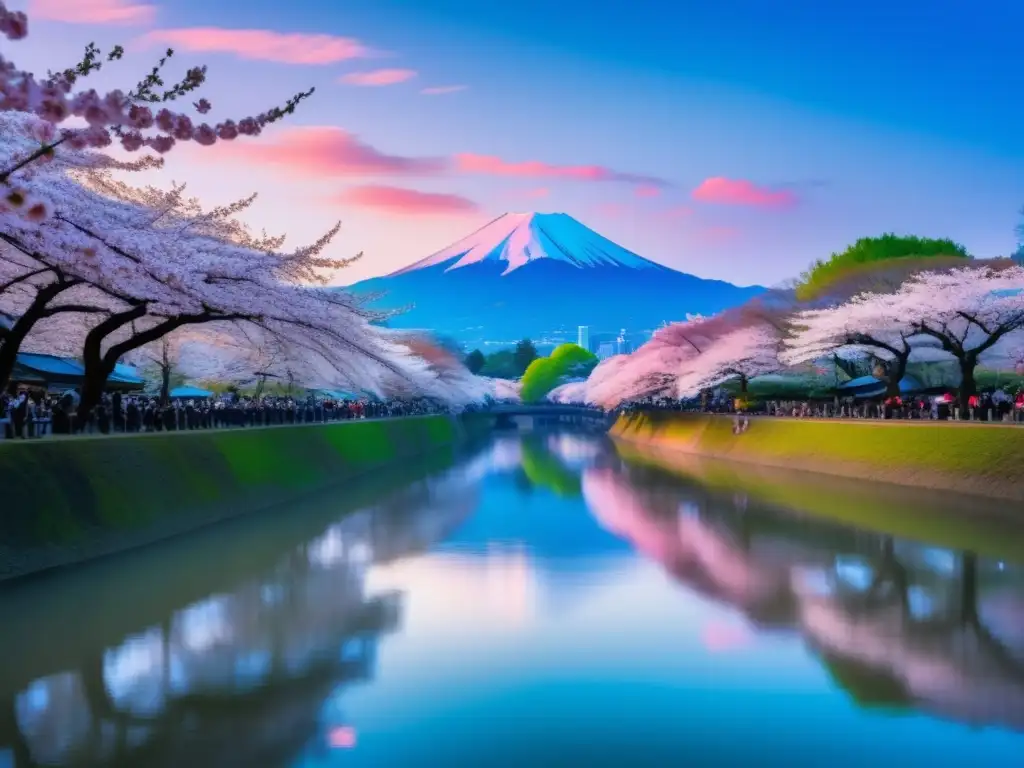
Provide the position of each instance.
(690, 548)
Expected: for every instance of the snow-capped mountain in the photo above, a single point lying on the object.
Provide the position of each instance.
(517, 239)
(542, 275)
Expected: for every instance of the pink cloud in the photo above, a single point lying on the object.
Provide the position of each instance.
(115, 12)
(402, 201)
(724, 191)
(719, 637)
(438, 90)
(379, 77)
(647, 190)
(330, 152)
(262, 44)
(495, 166)
(539, 192)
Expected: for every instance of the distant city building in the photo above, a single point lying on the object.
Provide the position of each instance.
(606, 350)
(621, 345)
(583, 337)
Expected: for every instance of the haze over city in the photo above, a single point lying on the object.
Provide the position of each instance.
(735, 141)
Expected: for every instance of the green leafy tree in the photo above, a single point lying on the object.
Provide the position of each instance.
(869, 254)
(475, 361)
(525, 354)
(545, 373)
(500, 365)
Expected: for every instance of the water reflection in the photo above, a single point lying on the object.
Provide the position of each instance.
(240, 678)
(505, 609)
(895, 622)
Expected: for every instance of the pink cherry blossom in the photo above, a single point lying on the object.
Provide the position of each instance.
(120, 247)
(744, 353)
(204, 135)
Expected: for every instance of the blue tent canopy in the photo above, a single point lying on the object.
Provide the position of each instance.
(869, 386)
(126, 374)
(49, 366)
(189, 393)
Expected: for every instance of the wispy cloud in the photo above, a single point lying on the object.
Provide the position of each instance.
(406, 202)
(262, 44)
(440, 90)
(114, 12)
(329, 152)
(496, 166)
(647, 190)
(722, 191)
(379, 77)
(538, 192)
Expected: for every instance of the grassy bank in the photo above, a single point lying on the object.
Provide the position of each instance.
(939, 518)
(69, 500)
(967, 458)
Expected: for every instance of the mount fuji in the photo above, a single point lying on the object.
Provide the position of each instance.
(542, 275)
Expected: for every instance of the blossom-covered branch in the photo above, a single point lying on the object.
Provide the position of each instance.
(126, 117)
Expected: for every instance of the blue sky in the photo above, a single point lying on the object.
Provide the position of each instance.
(865, 117)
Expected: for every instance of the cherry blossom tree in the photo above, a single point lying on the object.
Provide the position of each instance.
(652, 370)
(202, 353)
(570, 392)
(452, 380)
(868, 326)
(970, 315)
(163, 264)
(742, 353)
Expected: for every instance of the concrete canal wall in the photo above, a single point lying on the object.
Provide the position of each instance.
(970, 458)
(64, 501)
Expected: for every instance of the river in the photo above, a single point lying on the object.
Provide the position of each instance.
(541, 602)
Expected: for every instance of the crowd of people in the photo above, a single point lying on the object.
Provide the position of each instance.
(993, 405)
(35, 414)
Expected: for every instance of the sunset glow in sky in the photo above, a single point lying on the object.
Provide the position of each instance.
(737, 140)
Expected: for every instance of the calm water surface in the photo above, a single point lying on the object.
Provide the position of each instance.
(541, 603)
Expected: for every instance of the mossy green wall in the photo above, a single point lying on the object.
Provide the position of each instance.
(63, 492)
(969, 458)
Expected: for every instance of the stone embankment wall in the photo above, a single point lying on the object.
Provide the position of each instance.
(969, 458)
(64, 501)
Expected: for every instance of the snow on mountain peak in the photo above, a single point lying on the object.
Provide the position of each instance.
(519, 238)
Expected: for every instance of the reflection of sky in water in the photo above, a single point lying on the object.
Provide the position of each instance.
(854, 571)
(549, 616)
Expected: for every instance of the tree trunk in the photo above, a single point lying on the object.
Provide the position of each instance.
(896, 369)
(98, 366)
(968, 386)
(12, 339)
(743, 384)
(165, 384)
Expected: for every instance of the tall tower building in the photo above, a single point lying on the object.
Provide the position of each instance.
(620, 343)
(583, 337)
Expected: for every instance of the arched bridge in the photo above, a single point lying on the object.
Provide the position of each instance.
(527, 415)
(545, 409)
